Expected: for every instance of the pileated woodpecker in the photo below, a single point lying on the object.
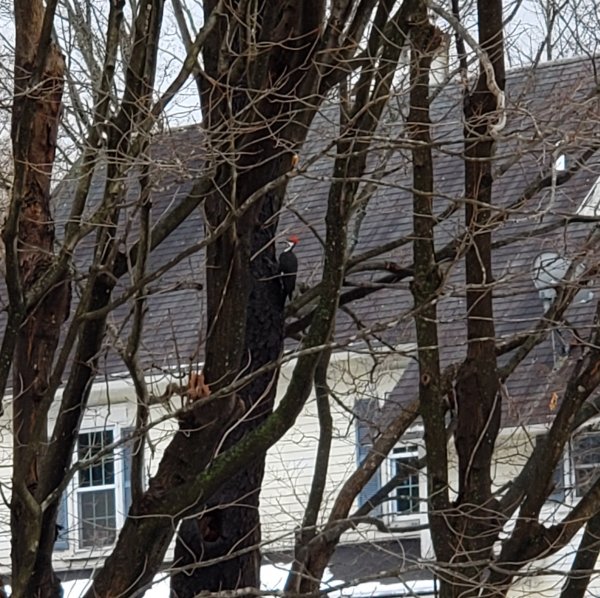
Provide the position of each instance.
(288, 267)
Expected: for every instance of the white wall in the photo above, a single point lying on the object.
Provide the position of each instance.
(290, 463)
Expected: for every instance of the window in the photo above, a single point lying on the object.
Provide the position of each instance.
(406, 498)
(96, 490)
(585, 456)
(95, 506)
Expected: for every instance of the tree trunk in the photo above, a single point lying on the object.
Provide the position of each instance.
(229, 525)
(39, 72)
(584, 562)
(475, 522)
(425, 40)
(229, 522)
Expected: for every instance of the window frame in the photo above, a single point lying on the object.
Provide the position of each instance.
(404, 452)
(413, 438)
(73, 535)
(591, 432)
(79, 490)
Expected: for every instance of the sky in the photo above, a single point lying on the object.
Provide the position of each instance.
(524, 34)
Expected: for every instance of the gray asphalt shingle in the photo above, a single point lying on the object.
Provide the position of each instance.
(545, 105)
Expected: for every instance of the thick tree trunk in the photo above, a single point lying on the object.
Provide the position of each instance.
(475, 522)
(426, 39)
(39, 73)
(230, 523)
(260, 155)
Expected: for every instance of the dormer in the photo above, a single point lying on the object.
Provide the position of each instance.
(590, 206)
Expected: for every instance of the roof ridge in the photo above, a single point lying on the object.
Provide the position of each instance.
(552, 63)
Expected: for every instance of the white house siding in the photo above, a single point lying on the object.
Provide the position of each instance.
(290, 463)
(6, 441)
(112, 406)
(116, 409)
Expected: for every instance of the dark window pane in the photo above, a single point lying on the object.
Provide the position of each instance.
(588, 450)
(98, 518)
(102, 471)
(97, 477)
(407, 493)
(84, 477)
(109, 470)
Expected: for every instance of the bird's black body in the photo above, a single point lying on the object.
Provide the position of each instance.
(288, 268)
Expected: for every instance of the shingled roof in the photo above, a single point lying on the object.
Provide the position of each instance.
(555, 102)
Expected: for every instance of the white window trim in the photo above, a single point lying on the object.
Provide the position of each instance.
(571, 495)
(73, 533)
(419, 517)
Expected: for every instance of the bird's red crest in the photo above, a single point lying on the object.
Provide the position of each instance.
(294, 239)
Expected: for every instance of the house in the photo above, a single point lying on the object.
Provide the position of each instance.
(552, 112)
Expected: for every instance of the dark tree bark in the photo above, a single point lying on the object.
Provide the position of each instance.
(29, 239)
(476, 523)
(230, 520)
(180, 483)
(230, 523)
(259, 160)
(425, 40)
